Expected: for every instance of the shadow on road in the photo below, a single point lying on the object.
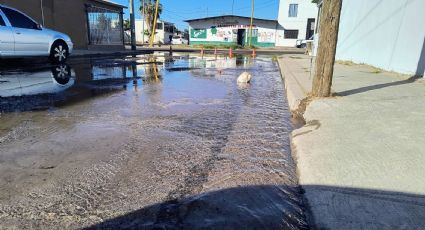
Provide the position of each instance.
(273, 207)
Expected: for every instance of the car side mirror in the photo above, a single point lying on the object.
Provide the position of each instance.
(39, 27)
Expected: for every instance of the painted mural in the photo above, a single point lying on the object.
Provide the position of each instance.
(198, 33)
(225, 31)
(221, 34)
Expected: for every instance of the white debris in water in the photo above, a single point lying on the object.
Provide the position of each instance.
(245, 77)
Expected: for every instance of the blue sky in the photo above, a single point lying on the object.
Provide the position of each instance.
(177, 11)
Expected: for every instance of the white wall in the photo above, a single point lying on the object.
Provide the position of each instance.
(139, 31)
(160, 35)
(388, 34)
(306, 10)
(266, 29)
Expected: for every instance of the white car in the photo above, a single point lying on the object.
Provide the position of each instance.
(179, 40)
(21, 36)
(302, 43)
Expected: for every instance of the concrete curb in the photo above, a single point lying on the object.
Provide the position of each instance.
(297, 88)
(96, 53)
(112, 53)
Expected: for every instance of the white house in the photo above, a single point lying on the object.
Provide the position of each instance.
(387, 34)
(298, 19)
(163, 32)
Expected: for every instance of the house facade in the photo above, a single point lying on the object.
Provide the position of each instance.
(233, 30)
(298, 19)
(91, 24)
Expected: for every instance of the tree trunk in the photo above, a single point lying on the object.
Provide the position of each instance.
(328, 37)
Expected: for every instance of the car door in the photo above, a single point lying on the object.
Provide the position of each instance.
(7, 40)
(30, 39)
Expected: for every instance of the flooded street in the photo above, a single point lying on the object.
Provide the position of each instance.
(147, 142)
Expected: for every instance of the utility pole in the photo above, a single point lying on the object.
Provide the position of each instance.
(132, 26)
(144, 21)
(42, 11)
(250, 25)
(325, 60)
(152, 39)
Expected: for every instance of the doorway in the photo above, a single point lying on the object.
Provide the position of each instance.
(241, 37)
(310, 28)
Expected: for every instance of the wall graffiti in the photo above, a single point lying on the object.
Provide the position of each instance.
(266, 36)
(198, 33)
(220, 34)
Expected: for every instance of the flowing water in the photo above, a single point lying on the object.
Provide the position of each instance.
(147, 142)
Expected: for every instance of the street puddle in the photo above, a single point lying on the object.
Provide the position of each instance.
(148, 142)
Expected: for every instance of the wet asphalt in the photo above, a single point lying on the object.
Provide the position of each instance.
(146, 142)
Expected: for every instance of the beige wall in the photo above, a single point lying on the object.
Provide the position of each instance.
(67, 16)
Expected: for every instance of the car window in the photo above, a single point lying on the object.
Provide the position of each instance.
(2, 21)
(18, 20)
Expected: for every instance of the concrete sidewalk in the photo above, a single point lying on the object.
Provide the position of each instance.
(361, 155)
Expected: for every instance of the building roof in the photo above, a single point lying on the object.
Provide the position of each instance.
(110, 3)
(226, 16)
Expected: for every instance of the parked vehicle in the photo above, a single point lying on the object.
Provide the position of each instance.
(302, 43)
(21, 36)
(179, 40)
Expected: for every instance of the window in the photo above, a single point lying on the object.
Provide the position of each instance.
(159, 26)
(291, 34)
(18, 20)
(169, 28)
(2, 21)
(293, 10)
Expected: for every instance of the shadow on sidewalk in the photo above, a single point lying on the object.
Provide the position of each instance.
(378, 86)
(276, 207)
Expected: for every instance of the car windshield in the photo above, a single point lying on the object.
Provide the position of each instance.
(2, 21)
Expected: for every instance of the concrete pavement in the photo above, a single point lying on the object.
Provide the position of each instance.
(360, 156)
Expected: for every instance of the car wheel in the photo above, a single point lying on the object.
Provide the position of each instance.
(59, 52)
(61, 74)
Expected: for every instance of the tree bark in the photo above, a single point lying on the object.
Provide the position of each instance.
(328, 38)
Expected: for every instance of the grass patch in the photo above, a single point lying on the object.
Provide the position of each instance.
(349, 63)
(376, 70)
(295, 57)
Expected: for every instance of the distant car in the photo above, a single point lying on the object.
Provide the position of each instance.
(179, 40)
(302, 43)
(21, 36)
